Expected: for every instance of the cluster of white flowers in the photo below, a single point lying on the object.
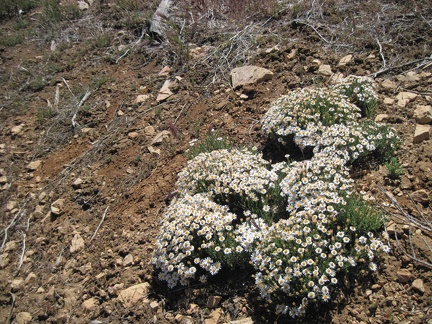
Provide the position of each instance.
(193, 228)
(320, 118)
(361, 91)
(230, 174)
(286, 219)
(305, 111)
(300, 257)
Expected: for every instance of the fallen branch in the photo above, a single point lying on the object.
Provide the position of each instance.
(83, 99)
(100, 224)
(425, 61)
(314, 29)
(22, 253)
(423, 223)
(6, 229)
(381, 53)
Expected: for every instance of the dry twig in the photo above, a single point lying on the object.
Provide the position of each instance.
(423, 224)
(100, 224)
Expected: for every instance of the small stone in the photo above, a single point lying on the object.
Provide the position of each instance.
(292, 54)
(336, 77)
(154, 305)
(133, 135)
(88, 130)
(244, 96)
(388, 84)
(10, 246)
(418, 285)
(158, 139)
(30, 279)
(178, 318)
(325, 70)
(16, 130)
(90, 304)
(389, 101)
(40, 290)
(149, 131)
(165, 71)
(421, 196)
(120, 113)
(128, 260)
(214, 316)
(130, 296)
(23, 318)
(57, 207)
(246, 75)
(404, 275)
(247, 320)
(405, 97)
(152, 150)
(34, 165)
(422, 133)
(82, 5)
(77, 183)
(165, 92)
(423, 114)
(193, 308)
(142, 98)
(381, 118)
(213, 301)
(4, 260)
(17, 284)
(77, 244)
(3, 180)
(345, 60)
(11, 204)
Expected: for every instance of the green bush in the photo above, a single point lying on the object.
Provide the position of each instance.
(10, 8)
(298, 223)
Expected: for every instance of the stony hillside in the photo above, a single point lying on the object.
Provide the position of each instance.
(96, 118)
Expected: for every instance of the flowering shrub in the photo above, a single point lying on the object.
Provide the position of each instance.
(242, 179)
(298, 223)
(360, 91)
(304, 112)
(319, 118)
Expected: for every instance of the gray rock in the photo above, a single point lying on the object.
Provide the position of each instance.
(421, 196)
(57, 207)
(418, 285)
(422, 133)
(404, 275)
(423, 114)
(247, 320)
(381, 118)
(325, 70)
(77, 244)
(405, 97)
(250, 74)
(34, 165)
(345, 60)
(23, 318)
(132, 295)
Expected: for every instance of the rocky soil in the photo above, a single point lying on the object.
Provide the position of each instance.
(92, 137)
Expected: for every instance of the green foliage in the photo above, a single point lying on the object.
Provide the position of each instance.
(102, 40)
(37, 84)
(359, 213)
(10, 8)
(361, 92)
(56, 12)
(211, 143)
(298, 223)
(394, 169)
(45, 113)
(12, 40)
